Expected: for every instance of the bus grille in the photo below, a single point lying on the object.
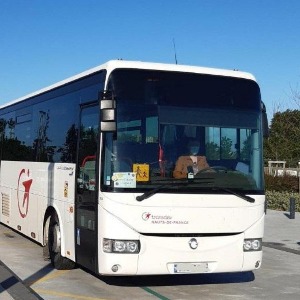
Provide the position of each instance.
(5, 204)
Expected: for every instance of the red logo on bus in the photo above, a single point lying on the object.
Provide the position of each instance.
(26, 181)
(146, 216)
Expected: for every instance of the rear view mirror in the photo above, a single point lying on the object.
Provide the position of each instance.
(108, 113)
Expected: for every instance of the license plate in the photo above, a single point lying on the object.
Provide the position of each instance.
(201, 267)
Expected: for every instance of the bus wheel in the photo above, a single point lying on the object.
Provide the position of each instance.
(54, 243)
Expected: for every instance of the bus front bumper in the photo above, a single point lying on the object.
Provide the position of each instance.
(183, 255)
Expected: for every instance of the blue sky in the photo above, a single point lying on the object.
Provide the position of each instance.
(45, 41)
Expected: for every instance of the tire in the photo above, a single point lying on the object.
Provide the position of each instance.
(58, 261)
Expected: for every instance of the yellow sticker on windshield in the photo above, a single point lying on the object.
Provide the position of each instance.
(142, 172)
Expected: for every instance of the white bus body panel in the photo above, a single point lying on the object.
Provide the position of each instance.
(28, 189)
(220, 223)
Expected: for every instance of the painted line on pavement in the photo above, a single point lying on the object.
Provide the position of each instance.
(150, 291)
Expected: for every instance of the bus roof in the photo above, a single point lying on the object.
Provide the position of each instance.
(123, 64)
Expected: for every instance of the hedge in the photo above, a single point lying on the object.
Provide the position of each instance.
(280, 189)
(281, 200)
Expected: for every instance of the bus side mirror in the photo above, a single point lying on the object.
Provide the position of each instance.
(108, 114)
(265, 125)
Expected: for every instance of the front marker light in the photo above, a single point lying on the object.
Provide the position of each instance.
(121, 246)
(107, 245)
(252, 245)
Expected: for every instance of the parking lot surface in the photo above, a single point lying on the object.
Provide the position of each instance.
(25, 275)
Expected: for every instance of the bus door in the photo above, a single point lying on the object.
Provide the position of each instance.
(87, 189)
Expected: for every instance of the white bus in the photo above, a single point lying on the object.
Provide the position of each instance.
(87, 170)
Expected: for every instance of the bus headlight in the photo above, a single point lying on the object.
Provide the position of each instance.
(252, 245)
(121, 246)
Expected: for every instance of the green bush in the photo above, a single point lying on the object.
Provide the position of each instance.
(280, 189)
(281, 200)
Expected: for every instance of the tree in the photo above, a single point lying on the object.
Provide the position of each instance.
(284, 140)
(68, 150)
(226, 146)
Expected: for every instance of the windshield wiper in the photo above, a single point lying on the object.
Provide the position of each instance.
(240, 195)
(173, 183)
(152, 192)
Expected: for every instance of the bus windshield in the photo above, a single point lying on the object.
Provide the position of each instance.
(160, 114)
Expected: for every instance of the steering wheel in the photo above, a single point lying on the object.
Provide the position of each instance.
(217, 169)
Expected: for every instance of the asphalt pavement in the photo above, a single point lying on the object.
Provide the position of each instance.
(281, 232)
(12, 287)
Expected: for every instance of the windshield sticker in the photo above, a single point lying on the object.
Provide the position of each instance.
(124, 179)
(142, 172)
